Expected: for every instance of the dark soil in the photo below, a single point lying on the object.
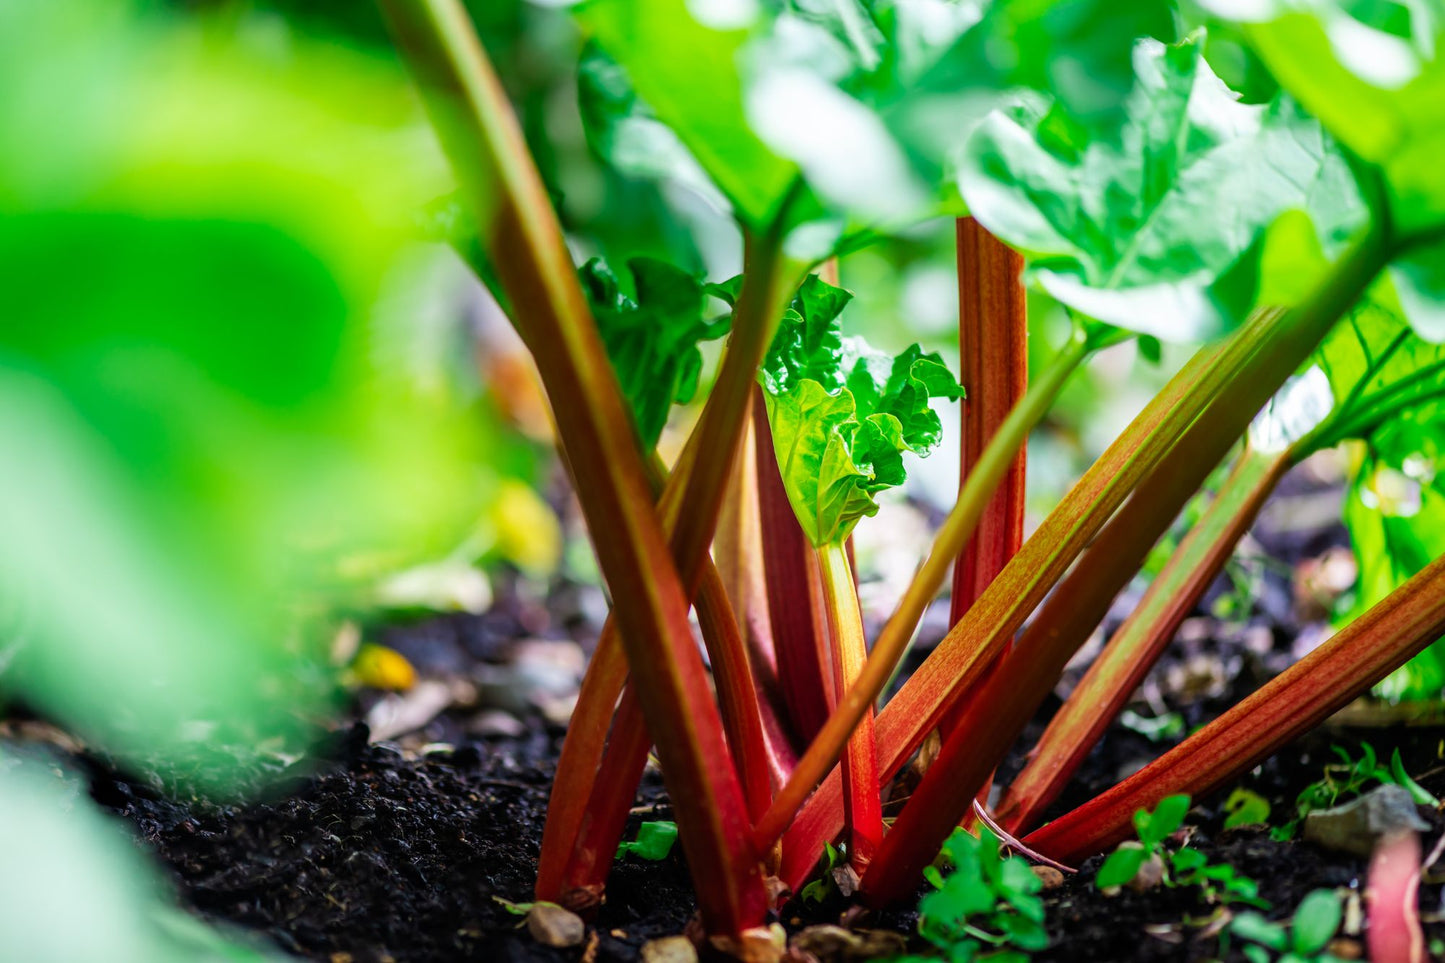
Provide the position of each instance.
(409, 851)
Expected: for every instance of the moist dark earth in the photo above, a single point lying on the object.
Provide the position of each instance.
(414, 850)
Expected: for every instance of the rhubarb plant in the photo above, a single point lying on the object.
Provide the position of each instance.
(1151, 202)
(841, 417)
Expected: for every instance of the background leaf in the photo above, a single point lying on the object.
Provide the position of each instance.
(1137, 230)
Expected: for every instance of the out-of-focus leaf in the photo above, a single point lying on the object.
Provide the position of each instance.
(624, 130)
(652, 339)
(1373, 75)
(1140, 230)
(842, 415)
(66, 862)
(687, 72)
(1078, 51)
(226, 431)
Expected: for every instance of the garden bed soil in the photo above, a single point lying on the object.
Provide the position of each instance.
(416, 849)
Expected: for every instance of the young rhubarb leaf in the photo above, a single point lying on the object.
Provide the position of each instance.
(1147, 229)
(842, 415)
(652, 339)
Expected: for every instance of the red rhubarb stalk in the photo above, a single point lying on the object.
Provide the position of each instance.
(1394, 893)
(485, 145)
(1290, 704)
(919, 705)
(795, 593)
(990, 720)
(1137, 645)
(993, 344)
(1249, 369)
(993, 334)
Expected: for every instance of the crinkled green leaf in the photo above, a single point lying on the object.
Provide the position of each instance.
(1139, 230)
(688, 73)
(652, 339)
(809, 342)
(1376, 83)
(842, 414)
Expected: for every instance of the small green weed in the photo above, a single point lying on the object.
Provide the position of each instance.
(1349, 778)
(654, 841)
(986, 908)
(1221, 883)
(1305, 939)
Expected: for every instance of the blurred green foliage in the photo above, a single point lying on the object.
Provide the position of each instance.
(217, 422)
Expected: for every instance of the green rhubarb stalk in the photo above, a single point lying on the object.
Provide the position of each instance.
(1137, 645)
(485, 144)
(862, 805)
(1290, 704)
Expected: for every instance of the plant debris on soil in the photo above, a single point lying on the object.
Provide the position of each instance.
(420, 848)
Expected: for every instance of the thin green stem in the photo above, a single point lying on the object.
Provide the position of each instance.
(862, 806)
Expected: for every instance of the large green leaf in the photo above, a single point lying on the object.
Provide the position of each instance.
(842, 415)
(625, 131)
(652, 340)
(689, 74)
(1138, 230)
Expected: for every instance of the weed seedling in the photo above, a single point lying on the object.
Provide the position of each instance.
(1220, 883)
(1349, 778)
(1123, 864)
(1304, 941)
(985, 908)
(654, 841)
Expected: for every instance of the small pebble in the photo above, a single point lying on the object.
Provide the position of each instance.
(551, 925)
(1346, 949)
(1050, 877)
(669, 949)
(1356, 826)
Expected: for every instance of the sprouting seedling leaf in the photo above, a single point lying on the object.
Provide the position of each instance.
(1155, 827)
(842, 415)
(1152, 229)
(983, 899)
(1120, 866)
(1315, 922)
(1245, 808)
(1419, 793)
(654, 841)
(652, 339)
